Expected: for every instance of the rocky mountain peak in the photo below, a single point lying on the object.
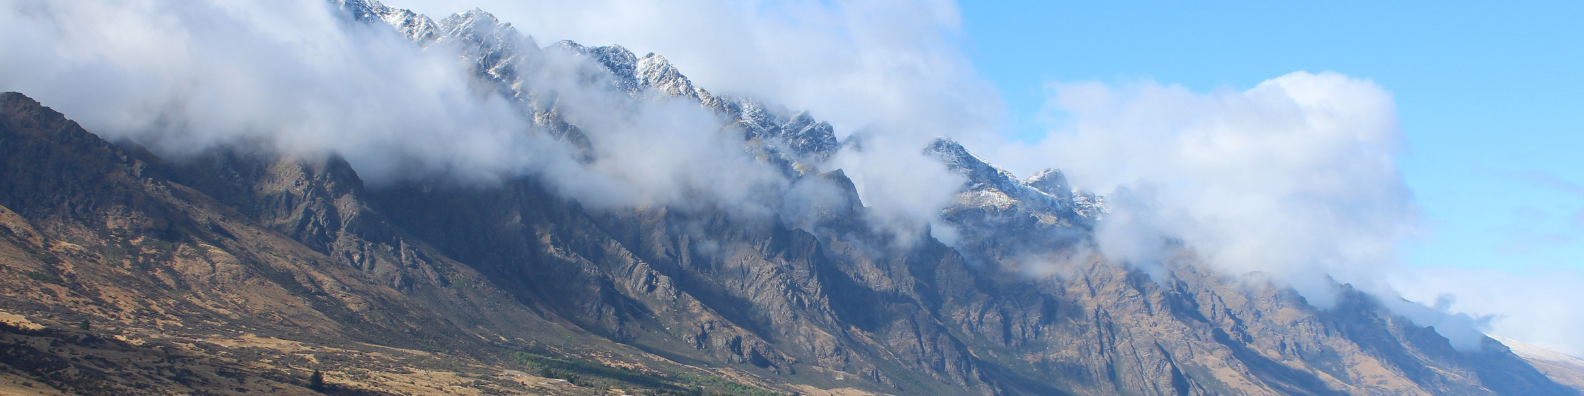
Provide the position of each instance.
(801, 134)
(1045, 195)
(414, 26)
(1051, 181)
(621, 62)
(807, 135)
(958, 159)
(656, 73)
(482, 35)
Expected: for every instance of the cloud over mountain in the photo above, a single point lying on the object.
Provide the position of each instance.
(301, 76)
(184, 76)
(1294, 178)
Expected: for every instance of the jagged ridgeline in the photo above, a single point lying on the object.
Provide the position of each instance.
(502, 56)
(247, 270)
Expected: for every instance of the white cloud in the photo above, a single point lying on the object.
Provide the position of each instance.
(1539, 307)
(893, 65)
(186, 75)
(183, 76)
(891, 70)
(904, 190)
(1293, 178)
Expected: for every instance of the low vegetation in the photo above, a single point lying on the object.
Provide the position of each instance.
(591, 374)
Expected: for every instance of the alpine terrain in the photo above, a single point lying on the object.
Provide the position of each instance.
(247, 268)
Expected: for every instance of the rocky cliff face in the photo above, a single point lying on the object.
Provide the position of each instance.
(245, 248)
(278, 255)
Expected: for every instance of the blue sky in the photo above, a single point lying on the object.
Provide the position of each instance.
(1490, 96)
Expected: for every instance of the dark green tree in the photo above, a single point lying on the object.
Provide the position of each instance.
(84, 325)
(316, 381)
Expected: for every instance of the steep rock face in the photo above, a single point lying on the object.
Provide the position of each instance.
(692, 282)
(990, 186)
(126, 205)
(1002, 220)
(801, 135)
(1054, 182)
(621, 63)
(318, 203)
(103, 234)
(547, 249)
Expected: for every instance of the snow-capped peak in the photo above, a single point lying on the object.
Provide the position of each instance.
(1044, 194)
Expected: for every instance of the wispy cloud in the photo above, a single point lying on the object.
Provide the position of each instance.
(1532, 229)
(1548, 180)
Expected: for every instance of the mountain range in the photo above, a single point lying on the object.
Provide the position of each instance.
(246, 268)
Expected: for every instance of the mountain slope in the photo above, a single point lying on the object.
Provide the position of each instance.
(244, 268)
(1007, 221)
(1564, 369)
(181, 292)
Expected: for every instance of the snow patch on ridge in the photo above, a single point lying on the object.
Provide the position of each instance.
(1538, 353)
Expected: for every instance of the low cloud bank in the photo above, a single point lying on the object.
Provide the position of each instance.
(893, 67)
(185, 76)
(1538, 307)
(1293, 178)
(890, 72)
